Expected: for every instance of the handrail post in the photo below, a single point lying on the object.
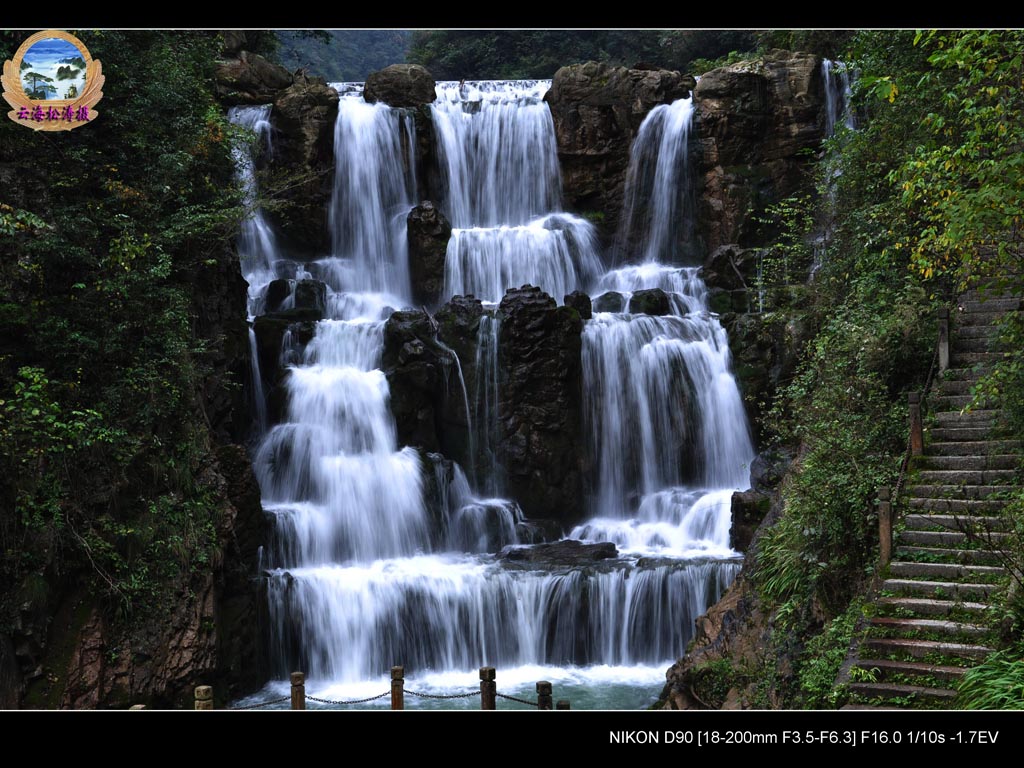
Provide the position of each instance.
(884, 527)
(398, 688)
(298, 690)
(204, 697)
(562, 704)
(543, 695)
(488, 688)
(943, 339)
(916, 428)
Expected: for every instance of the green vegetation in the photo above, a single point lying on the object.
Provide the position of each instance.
(103, 472)
(481, 54)
(997, 683)
(342, 54)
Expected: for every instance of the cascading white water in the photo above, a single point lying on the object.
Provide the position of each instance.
(838, 90)
(361, 576)
(496, 143)
(658, 207)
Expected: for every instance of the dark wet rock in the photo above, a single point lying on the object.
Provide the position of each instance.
(756, 121)
(748, 510)
(579, 301)
(276, 293)
(610, 301)
(312, 295)
(540, 420)
(561, 554)
(429, 232)
(400, 85)
(597, 110)
(731, 268)
(249, 79)
(303, 117)
(649, 301)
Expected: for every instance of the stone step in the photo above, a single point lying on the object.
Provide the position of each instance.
(949, 402)
(900, 691)
(968, 477)
(974, 332)
(922, 522)
(921, 648)
(939, 491)
(966, 319)
(970, 462)
(867, 707)
(941, 589)
(888, 668)
(959, 374)
(959, 434)
(923, 606)
(974, 358)
(973, 418)
(955, 386)
(962, 506)
(987, 304)
(976, 344)
(946, 555)
(1002, 448)
(938, 626)
(905, 569)
(944, 539)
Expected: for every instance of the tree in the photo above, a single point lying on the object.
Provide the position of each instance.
(35, 78)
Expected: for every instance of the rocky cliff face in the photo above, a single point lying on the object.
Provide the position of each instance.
(755, 119)
(597, 111)
(540, 420)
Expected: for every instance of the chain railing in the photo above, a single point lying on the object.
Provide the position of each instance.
(488, 694)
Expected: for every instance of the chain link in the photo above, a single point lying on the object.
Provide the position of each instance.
(513, 698)
(263, 703)
(345, 703)
(441, 696)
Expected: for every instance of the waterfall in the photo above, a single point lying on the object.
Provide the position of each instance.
(659, 205)
(838, 89)
(381, 555)
(502, 193)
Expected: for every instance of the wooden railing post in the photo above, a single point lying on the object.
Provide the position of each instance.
(488, 688)
(562, 704)
(943, 339)
(204, 697)
(398, 687)
(543, 695)
(916, 428)
(298, 690)
(884, 527)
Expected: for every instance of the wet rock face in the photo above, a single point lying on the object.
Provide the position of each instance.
(303, 117)
(754, 121)
(748, 510)
(579, 301)
(650, 301)
(597, 110)
(400, 85)
(561, 554)
(429, 232)
(541, 443)
(249, 78)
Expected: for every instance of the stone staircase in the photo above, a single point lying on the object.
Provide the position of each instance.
(929, 622)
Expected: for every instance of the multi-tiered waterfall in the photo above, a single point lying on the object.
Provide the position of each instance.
(359, 575)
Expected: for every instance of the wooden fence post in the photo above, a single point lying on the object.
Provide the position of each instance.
(398, 688)
(562, 704)
(884, 527)
(543, 695)
(298, 690)
(204, 697)
(943, 339)
(488, 688)
(916, 428)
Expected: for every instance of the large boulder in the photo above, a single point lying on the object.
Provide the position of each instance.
(755, 122)
(540, 420)
(400, 85)
(649, 301)
(429, 232)
(303, 117)
(249, 79)
(597, 110)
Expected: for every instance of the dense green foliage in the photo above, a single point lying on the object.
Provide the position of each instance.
(101, 238)
(997, 683)
(481, 54)
(343, 54)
